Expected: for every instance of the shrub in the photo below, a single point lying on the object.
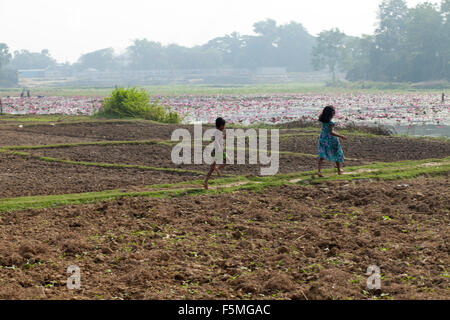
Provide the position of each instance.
(135, 103)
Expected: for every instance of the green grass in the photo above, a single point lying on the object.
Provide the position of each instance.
(317, 132)
(181, 90)
(82, 144)
(176, 189)
(42, 118)
(384, 171)
(61, 120)
(214, 90)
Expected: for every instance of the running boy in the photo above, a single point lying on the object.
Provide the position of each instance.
(218, 152)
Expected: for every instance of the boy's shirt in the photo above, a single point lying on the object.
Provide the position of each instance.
(219, 141)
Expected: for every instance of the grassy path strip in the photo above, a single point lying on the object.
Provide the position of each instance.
(379, 171)
(102, 165)
(317, 134)
(46, 120)
(143, 142)
(84, 144)
(178, 189)
(106, 143)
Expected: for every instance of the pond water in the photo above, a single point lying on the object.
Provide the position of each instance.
(423, 131)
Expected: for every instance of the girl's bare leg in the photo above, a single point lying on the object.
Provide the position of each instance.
(339, 167)
(320, 168)
(211, 170)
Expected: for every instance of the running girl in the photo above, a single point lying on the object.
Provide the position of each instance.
(329, 145)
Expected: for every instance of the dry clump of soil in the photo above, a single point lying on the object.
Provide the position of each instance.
(290, 242)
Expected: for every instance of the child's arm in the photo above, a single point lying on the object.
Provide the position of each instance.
(334, 134)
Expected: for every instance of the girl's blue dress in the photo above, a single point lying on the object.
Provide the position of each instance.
(329, 146)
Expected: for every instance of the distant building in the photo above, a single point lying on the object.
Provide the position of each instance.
(271, 71)
(32, 73)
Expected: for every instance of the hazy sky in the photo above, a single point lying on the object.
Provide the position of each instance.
(69, 28)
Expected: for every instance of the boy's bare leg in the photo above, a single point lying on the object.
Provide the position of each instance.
(218, 168)
(320, 168)
(208, 176)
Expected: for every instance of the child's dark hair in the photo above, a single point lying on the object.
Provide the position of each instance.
(220, 122)
(327, 114)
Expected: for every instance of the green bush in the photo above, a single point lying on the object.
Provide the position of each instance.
(134, 103)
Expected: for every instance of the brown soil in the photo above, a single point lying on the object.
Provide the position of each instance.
(13, 137)
(27, 176)
(117, 131)
(289, 242)
(35, 177)
(155, 155)
(357, 147)
(386, 149)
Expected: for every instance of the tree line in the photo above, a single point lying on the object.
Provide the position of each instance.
(408, 44)
(288, 45)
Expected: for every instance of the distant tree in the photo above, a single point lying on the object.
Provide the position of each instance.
(102, 60)
(25, 59)
(176, 56)
(261, 50)
(294, 46)
(359, 56)
(230, 47)
(410, 44)
(390, 40)
(288, 45)
(445, 52)
(330, 51)
(256, 52)
(146, 55)
(391, 29)
(5, 56)
(425, 43)
(199, 57)
(8, 76)
(267, 29)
